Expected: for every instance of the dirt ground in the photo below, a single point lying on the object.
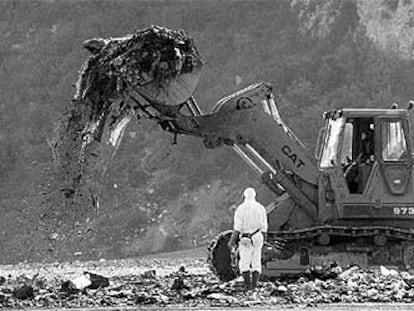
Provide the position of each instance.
(331, 307)
(132, 287)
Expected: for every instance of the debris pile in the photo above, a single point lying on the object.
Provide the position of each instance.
(191, 288)
(160, 64)
(126, 76)
(123, 78)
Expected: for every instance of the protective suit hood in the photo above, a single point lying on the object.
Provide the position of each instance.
(249, 194)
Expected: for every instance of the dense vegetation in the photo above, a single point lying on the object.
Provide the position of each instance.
(319, 55)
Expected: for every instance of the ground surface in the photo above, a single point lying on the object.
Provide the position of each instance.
(182, 280)
(338, 307)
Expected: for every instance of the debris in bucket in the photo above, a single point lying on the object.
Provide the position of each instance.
(156, 55)
(127, 74)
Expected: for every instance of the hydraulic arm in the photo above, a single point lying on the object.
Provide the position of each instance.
(250, 123)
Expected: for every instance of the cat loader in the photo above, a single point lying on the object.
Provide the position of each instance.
(351, 201)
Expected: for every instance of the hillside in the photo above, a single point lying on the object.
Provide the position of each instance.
(319, 55)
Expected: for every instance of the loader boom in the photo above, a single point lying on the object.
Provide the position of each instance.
(321, 210)
(250, 123)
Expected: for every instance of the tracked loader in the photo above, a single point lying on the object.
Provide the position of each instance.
(354, 204)
(350, 201)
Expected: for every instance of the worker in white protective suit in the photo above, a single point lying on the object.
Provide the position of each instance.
(250, 228)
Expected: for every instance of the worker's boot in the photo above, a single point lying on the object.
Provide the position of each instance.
(255, 279)
(247, 280)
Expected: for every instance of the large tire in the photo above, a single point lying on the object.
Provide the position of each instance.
(221, 261)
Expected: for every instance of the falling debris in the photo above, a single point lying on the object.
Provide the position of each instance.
(123, 78)
(159, 64)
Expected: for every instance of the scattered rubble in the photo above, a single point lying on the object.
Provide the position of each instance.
(327, 271)
(155, 282)
(24, 292)
(87, 280)
(179, 284)
(97, 281)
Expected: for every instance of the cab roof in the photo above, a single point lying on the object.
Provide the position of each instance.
(366, 112)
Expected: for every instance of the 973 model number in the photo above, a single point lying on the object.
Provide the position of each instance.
(403, 210)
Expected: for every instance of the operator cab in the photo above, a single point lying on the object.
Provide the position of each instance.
(360, 142)
(358, 152)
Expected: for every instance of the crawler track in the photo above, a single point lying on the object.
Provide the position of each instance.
(382, 246)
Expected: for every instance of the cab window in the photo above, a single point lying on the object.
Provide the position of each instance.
(347, 144)
(394, 146)
(331, 143)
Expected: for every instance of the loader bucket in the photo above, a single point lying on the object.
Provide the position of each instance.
(157, 64)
